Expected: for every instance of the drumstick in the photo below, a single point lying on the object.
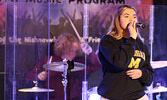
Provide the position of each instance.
(50, 60)
(75, 29)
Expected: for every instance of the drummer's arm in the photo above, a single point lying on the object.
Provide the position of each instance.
(86, 48)
(42, 76)
(93, 63)
(31, 75)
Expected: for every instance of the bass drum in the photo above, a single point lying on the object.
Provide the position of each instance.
(92, 94)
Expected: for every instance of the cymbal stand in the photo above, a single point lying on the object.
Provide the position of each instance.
(158, 96)
(36, 84)
(70, 66)
(65, 81)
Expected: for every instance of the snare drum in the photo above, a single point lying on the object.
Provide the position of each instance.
(92, 94)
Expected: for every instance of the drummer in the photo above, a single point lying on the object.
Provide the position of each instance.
(67, 47)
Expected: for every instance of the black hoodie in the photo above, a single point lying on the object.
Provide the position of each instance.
(118, 56)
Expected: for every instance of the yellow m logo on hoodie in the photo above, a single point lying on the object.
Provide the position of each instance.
(134, 63)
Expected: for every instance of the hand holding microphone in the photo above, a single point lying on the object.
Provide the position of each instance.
(132, 29)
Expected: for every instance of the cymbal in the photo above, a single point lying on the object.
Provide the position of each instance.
(158, 64)
(35, 89)
(60, 66)
(158, 89)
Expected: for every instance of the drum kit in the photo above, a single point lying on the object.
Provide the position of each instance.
(158, 64)
(92, 93)
(65, 66)
(35, 89)
(158, 88)
(59, 66)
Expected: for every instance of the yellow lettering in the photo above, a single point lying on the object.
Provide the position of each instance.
(134, 63)
(139, 54)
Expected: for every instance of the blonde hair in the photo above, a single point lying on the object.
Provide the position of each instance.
(117, 31)
(64, 44)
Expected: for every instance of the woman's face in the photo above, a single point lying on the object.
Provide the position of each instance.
(127, 16)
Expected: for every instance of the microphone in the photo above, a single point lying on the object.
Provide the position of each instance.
(140, 25)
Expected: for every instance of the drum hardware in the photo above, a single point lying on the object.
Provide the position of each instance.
(66, 67)
(158, 89)
(59, 66)
(36, 88)
(64, 81)
(93, 95)
(158, 64)
(158, 96)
